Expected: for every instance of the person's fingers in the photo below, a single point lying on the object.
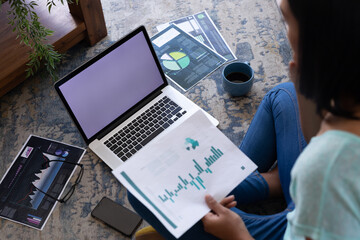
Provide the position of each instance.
(227, 200)
(208, 217)
(231, 205)
(216, 207)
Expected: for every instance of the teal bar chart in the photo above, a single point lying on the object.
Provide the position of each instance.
(192, 179)
(172, 176)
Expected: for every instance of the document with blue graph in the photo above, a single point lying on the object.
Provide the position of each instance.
(172, 174)
(37, 172)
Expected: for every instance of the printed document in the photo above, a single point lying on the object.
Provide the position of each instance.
(201, 27)
(42, 166)
(184, 60)
(172, 174)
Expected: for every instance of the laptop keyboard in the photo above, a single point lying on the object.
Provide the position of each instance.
(144, 128)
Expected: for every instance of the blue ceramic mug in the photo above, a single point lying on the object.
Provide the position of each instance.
(238, 78)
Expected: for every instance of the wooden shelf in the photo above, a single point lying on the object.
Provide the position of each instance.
(70, 23)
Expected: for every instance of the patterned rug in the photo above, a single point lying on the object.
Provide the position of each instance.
(252, 28)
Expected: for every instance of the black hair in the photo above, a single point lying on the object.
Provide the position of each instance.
(329, 53)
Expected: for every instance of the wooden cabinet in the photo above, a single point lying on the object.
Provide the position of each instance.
(71, 24)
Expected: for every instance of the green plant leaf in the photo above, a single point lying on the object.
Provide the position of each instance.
(24, 20)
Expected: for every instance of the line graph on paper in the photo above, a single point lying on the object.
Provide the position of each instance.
(32, 178)
(35, 172)
(44, 180)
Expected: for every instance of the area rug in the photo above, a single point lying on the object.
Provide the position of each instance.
(253, 29)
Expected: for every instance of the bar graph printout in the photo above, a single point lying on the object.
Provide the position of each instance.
(172, 175)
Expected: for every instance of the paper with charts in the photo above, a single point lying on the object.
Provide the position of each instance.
(20, 198)
(202, 27)
(184, 60)
(172, 174)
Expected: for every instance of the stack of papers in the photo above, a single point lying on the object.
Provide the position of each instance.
(190, 48)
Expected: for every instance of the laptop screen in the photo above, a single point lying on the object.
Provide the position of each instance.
(110, 86)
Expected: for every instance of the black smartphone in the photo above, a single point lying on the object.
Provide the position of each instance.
(116, 216)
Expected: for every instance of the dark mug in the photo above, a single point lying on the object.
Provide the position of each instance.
(238, 78)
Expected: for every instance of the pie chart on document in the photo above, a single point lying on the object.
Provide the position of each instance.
(175, 60)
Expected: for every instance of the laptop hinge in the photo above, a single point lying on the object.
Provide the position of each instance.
(128, 114)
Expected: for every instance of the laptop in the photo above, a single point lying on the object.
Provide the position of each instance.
(120, 100)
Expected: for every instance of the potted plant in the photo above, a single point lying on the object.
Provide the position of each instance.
(24, 20)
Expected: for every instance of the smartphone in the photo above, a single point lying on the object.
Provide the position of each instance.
(116, 216)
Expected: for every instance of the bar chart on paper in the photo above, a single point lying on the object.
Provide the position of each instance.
(172, 176)
(191, 180)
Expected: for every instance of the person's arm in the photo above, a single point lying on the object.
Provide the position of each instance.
(224, 223)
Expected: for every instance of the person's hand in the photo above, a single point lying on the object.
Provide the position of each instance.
(222, 222)
(228, 202)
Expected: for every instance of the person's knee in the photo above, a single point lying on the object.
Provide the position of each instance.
(283, 88)
(281, 94)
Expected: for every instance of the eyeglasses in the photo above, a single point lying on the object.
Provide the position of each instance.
(72, 189)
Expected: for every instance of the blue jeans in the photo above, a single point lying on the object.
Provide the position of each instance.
(274, 135)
